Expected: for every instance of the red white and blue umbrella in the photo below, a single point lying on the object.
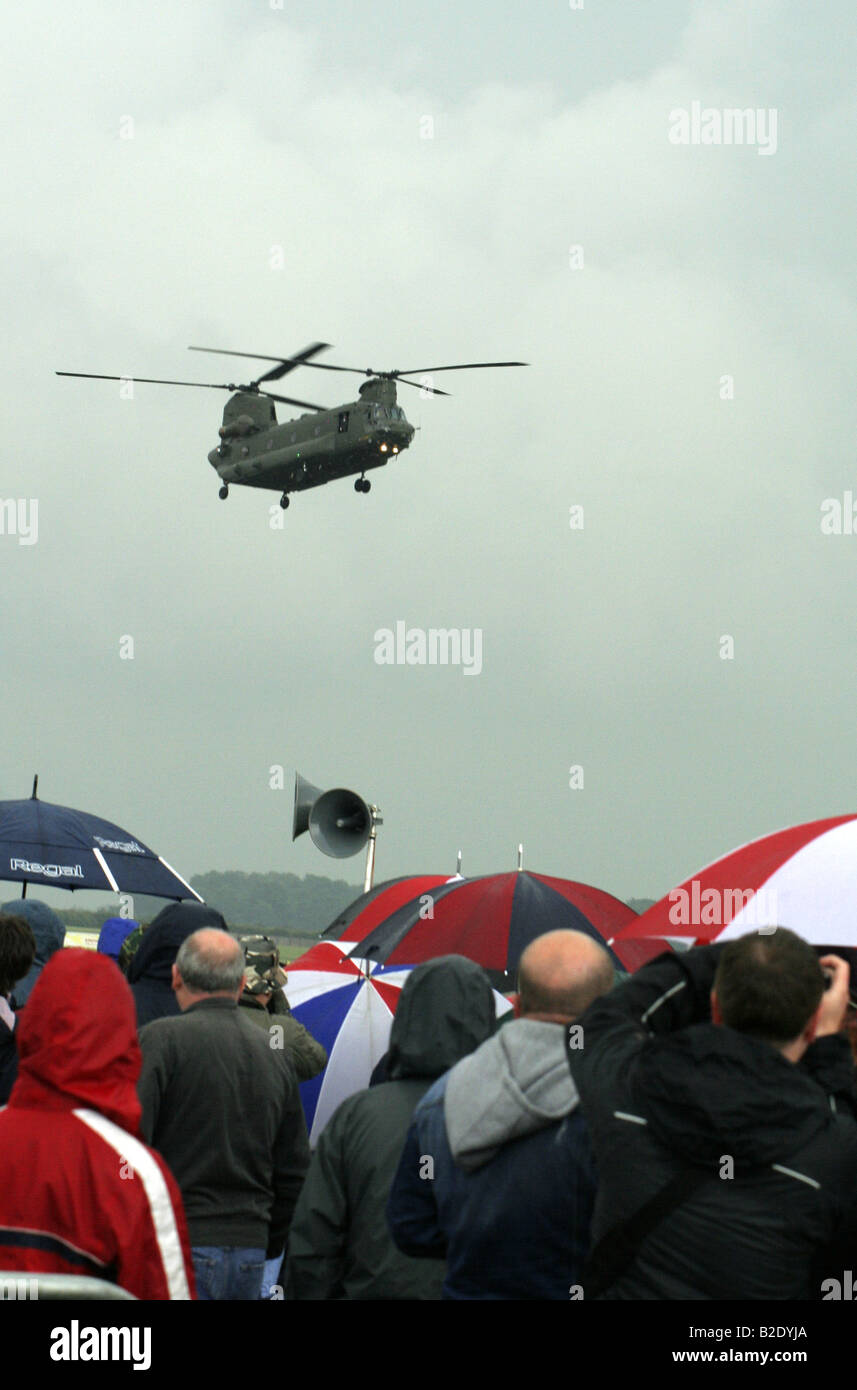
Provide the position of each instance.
(348, 1005)
(492, 919)
(368, 910)
(803, 877)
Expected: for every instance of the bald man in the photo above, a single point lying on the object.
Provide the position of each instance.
(223, 1109)
(497, 1171)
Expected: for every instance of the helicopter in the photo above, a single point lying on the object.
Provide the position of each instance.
(323, 444)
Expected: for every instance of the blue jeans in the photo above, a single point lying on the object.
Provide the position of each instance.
(227, 1272)
(272, 1274)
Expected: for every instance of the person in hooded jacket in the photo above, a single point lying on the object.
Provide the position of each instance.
(49, 933)
(510, 1195)
(113, 933)
(80, 1193)
(150, 971)
(723, 1067)
(17, 953)
(339, 1246)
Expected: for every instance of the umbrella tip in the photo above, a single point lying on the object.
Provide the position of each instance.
(458, 863)
(520, 858)
(35, 788)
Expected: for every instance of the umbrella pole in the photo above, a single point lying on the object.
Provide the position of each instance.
(33, 797)
(370, 849)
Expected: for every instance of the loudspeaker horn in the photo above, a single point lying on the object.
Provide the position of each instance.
(340, 823)
(306, 796)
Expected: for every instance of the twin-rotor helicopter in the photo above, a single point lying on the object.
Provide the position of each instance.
(319, 446)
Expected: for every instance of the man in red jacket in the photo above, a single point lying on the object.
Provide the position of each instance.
(79, 1191)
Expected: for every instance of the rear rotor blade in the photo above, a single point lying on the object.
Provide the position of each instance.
(289, 400)
(284, 364)
(252, 389)
(153, 380)
(262, 357)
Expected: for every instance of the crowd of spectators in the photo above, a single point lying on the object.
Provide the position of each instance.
(689, 1132)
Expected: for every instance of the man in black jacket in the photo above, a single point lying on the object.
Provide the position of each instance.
(722, 1069)
(150, 969)
(222, 1107)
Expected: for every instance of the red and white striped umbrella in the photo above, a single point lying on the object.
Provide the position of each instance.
(366, 911)
(803, 877)
(348, 1005)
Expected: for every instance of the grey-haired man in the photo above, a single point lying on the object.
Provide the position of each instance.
(222, 1107)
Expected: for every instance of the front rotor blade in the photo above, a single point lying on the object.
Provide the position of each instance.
(456, 367)
(433, 390)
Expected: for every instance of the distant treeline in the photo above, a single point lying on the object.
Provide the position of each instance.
(640, 904)
(277, 902)
(282, 904)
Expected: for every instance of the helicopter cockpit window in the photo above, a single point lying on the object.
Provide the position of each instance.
(343, 422)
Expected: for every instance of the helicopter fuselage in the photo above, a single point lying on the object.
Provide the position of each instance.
(256, 450)
(315, 448)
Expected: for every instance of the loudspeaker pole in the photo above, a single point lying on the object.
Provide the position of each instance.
(370, 849)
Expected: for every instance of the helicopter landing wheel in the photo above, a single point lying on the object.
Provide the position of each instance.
(223, 493)
(284, 500)
(358, 484)
(366, 484)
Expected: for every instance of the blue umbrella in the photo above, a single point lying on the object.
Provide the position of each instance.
(57, 847)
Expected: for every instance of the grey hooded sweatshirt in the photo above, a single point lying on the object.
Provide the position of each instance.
(515, 1084)
(510, 1201)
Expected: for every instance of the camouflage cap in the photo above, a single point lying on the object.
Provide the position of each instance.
(128, 949)
(262, 965)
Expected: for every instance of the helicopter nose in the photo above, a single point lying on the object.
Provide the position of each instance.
(396, 437)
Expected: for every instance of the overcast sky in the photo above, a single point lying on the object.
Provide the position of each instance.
(432, 184)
